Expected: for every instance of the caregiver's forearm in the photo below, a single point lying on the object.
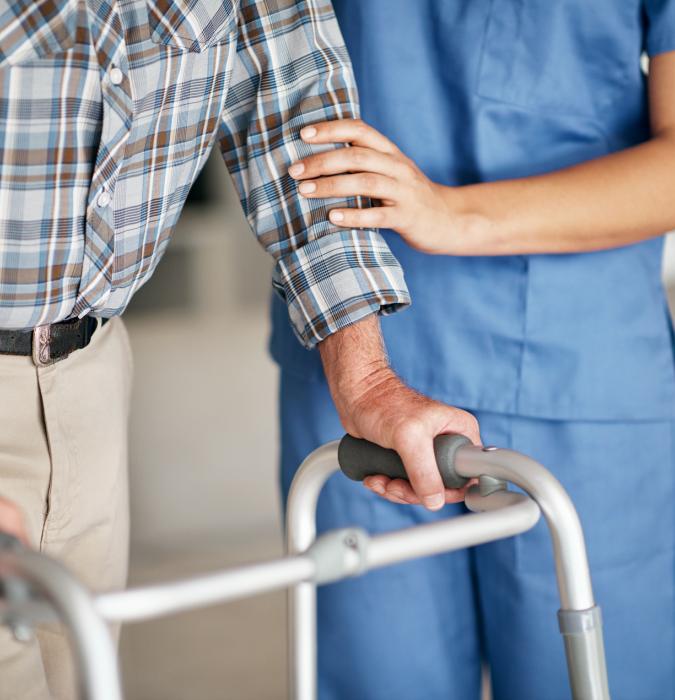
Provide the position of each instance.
(612, 201)
(609, 202)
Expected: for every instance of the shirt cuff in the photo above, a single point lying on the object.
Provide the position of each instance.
(338, 279)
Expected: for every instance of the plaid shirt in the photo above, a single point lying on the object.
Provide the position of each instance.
(108, 111)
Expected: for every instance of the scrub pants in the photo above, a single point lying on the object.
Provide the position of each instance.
(420, 630)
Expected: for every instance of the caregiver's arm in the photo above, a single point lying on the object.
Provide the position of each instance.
(604, 203)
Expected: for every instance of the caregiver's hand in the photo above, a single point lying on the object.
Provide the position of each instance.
(374, 403)
(11, 520)
(615, 200)
(410, 203)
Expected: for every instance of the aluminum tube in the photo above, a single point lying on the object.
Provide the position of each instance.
(148, 602)
(586, 666)
(574, 578)
(507, 514)
(300, 534)
(95, 653)
(304, 496)
(584, 648)
(31, 612)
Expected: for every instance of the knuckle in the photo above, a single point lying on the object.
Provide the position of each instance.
(471, 423)
(375, 216)
(368, 181)
(411, 170)
(310, 165)
(361, 127)
(409, 432)
(358, 157)
(316, 163)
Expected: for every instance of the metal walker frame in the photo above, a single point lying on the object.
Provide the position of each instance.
(38, 589)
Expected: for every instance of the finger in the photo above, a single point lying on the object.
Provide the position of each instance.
(457, 421)
(400, 488)
(377, 483)
(393, 499)
(396, 490)
(349, 160)
(414, 445)
(352, 131)
(455, 495)
(363, 184)
(372, 217)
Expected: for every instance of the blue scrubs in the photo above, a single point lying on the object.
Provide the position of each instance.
(568, 358)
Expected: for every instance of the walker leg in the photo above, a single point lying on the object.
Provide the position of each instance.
(584, 648)
(93, 647)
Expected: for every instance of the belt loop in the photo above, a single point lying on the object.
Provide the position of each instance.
(42, 336)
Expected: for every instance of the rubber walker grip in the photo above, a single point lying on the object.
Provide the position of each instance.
(361, 458)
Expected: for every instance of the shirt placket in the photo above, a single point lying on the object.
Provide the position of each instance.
(116, 121)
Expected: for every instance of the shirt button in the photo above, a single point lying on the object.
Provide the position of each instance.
(104, 199)
(116, 76)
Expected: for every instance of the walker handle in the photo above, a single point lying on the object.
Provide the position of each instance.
(361, 458)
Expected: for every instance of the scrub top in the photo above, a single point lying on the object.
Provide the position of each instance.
(476, 91)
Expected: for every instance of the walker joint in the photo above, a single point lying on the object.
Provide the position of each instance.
(339, 554)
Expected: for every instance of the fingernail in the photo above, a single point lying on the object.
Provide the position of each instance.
(309, 132)
(337, 216)
(307, 187)
(378, 488)
(296, 169)
(434, 502)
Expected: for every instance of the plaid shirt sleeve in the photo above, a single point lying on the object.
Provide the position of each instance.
(291, 69)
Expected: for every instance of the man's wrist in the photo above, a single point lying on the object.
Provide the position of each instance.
(354, 361)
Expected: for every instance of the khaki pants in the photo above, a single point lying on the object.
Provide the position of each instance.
(63, 460)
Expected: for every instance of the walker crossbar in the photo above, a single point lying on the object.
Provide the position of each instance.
(36, 587)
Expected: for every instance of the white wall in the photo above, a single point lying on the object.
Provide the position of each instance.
(203, 435)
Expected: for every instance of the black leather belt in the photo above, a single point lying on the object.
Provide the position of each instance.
(49, 344)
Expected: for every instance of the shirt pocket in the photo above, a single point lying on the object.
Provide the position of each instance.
(191, 25)
(566, 57)
(32, 30)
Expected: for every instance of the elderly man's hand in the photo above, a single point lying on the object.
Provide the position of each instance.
(11, 520)
(373, 403)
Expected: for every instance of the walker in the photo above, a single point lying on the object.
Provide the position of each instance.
(35, 588)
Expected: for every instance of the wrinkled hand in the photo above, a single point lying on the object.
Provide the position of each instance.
(409, 202)
(393, 415)
(11, 520)
(373, 403)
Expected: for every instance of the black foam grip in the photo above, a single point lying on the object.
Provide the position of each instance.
(361, 458)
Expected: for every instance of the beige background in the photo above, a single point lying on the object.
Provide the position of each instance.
(203, 455)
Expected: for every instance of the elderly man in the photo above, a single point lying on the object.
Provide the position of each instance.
(108, 110)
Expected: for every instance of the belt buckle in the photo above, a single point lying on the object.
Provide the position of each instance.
(42, 336)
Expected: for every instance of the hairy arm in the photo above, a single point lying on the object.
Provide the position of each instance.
(291, 70)
(375, 404)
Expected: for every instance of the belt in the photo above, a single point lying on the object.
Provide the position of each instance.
(49, 344)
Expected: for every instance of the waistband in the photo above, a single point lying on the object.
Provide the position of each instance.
(50, 343)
